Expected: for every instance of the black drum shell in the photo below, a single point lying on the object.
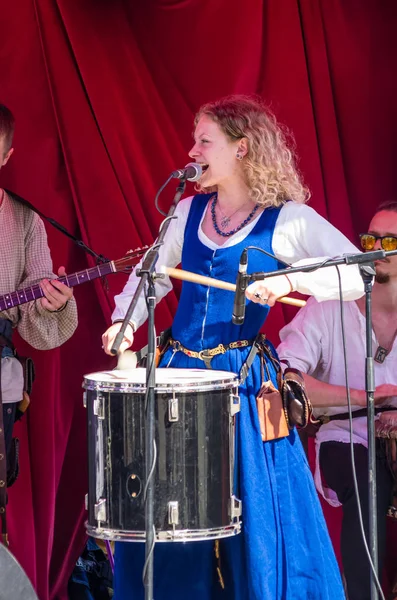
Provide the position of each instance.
(194, 465)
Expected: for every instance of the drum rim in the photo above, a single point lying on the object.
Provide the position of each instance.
(177, 535)
(124, 387)
(226, 380)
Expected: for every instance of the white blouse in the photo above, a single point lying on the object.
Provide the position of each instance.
(301, 237)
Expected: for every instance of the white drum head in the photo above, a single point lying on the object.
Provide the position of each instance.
(165, 378)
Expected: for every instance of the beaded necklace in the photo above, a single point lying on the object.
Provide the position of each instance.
(232, 231)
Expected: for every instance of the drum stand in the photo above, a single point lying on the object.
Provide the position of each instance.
(365, 261)
(148, 275)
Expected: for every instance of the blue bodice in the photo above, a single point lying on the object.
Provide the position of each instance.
(210, 321)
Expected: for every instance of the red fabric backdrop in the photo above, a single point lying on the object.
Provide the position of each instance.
(104, 92)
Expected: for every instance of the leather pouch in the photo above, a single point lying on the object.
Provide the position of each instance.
(272, 421)
(297, 406)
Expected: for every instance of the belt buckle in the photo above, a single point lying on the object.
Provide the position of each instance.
(206, 358)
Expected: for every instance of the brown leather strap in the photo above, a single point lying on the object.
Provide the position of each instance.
(258, 346)
(361, 412)
(3, 463)
(295, 371)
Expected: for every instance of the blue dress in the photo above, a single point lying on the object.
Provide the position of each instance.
(284, 551)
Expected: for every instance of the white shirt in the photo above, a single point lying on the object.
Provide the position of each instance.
(301, 236)
(312, 343)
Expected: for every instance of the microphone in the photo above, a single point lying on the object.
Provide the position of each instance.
(192, 172)
(241, 286)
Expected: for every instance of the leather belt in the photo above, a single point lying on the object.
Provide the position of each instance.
(362, 412)
(208, 354)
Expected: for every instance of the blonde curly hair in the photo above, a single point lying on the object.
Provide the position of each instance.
(270, 170)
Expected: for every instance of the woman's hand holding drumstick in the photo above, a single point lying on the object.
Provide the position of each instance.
(224, 285)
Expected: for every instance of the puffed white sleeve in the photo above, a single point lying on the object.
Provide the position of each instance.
(305, 340)
(169, 254)
(303, 237)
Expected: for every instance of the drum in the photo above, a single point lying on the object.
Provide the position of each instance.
(194, 489)
(386, 432)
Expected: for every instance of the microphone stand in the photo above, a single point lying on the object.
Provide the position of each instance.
(368, 273)
(148, 275)
(365, 261)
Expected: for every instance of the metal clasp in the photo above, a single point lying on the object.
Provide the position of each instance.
(235, 508)
(100, 510)
(173, 408)
(173, 513)
(234, 404)
(98, 407)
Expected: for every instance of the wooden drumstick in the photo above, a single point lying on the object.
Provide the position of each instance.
(218, 283)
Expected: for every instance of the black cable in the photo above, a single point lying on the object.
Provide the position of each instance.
(156, 246)
(286, 264)
(158, 194)
(269, 254)
(351, 444)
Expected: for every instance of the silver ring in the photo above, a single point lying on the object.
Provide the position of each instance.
(261, 298)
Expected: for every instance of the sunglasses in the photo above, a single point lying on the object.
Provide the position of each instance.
(368, 241)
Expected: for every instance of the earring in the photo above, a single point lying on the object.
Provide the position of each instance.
(239, 156)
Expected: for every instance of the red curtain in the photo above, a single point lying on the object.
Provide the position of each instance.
(104, 93)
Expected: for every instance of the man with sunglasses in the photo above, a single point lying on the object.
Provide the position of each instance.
(313, 343)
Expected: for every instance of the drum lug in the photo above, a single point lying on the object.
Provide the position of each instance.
(173, 409)
(86, 501)
(235, 508)
(85, 399)
(173, 513)
(98, 407)
(234, 404)
(100, 510)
